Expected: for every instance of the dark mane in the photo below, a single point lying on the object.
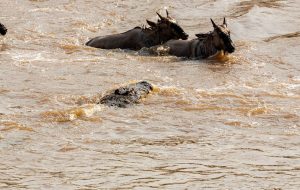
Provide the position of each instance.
(147, 29)
(143, 28)
(203, 36)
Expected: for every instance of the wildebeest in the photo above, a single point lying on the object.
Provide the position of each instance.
(204, 46)
(158, 33)
(3, 29)
(127, 95)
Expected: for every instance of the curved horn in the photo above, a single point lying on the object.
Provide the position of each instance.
(167, 12)
(161, 17)
(213, 23)
(224, 22)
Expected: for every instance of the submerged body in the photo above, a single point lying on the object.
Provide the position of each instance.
(158, 33)
(3, 29)
(127, 95)
(133, 39)
(196, 48)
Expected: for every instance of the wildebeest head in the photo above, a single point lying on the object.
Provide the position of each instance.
(168, 27)
(3, 30)
(221, 37)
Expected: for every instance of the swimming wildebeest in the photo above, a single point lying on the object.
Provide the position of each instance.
(158, 33)
(204, 46)
(127, 95)
(3, 29)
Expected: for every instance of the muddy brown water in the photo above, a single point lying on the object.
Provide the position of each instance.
(209, 124)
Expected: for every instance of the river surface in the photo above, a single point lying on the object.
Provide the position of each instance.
(209, 124)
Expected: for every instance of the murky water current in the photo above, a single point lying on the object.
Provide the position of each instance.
(207, 125)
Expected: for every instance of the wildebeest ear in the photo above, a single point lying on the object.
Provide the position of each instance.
(224, 22)
(152, 24)
(213, 23)
(167, 13)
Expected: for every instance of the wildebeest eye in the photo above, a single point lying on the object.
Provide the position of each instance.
(177, 28)
(225, 37)
(222, 34)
